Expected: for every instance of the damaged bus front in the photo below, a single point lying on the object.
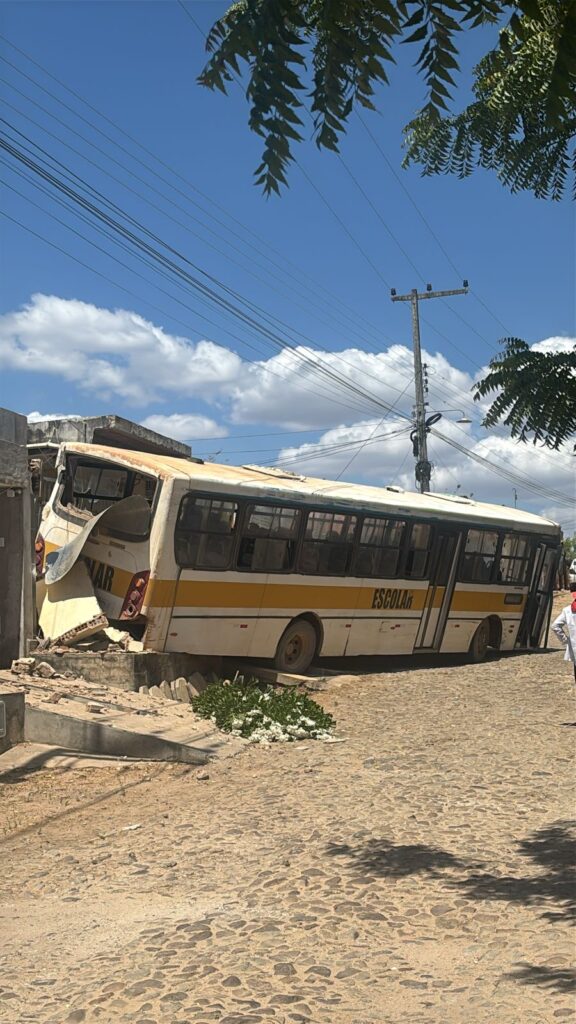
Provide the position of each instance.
(94, 550)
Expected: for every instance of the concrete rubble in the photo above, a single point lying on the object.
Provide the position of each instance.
(70, 611)
(74, 714)
(180, 690)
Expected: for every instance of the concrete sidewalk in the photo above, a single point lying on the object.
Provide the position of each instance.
(72, 714)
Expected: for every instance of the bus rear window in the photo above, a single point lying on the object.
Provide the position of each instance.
(92, 487)
(95, 488)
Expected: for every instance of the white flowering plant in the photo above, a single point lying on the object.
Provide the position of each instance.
(261, 714)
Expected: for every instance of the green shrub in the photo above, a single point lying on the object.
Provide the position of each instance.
(262, 714)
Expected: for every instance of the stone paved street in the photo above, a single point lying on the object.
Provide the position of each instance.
(419, 871)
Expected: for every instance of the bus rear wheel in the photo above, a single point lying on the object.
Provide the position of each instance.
(297, 647)
(480, 641)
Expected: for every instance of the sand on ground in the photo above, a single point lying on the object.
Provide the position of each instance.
(418, 871)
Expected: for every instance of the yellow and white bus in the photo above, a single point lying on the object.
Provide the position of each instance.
(259, 563)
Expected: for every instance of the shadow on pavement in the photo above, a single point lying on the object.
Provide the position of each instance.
(562, 979)
(384, 859)
(20, 773)
(554, 850)
(383, 664)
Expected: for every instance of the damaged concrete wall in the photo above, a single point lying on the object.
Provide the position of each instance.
(114, 431)
(16, 542)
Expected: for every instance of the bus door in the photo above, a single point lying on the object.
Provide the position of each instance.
(443, 566)
(539, 598)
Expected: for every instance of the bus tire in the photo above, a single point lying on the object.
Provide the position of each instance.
(480, 642)
(297, 647)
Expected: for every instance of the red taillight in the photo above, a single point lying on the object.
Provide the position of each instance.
(39, 549)
(135, 595)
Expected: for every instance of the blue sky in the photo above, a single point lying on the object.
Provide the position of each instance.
(85, 335)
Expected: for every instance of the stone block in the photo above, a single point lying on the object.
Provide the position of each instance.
(44, 670)
(197, 683)
(181, 690)
(23, 666)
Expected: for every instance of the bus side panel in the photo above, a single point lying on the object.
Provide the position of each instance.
(215, 612)
(387, 617)
(331, 599)
(472, 603)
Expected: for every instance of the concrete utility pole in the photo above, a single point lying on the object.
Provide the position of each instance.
(423, 467)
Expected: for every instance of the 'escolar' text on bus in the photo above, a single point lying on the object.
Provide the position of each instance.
(387, 598)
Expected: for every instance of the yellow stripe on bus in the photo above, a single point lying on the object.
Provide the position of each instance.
(485, 601)
(229, 594)
(213, 594)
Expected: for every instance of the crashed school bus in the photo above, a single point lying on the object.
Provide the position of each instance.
(204, 559)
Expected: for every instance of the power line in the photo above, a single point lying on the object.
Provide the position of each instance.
(353, 238)
(367, 441)
(517, 478)
(244, 265)
(426, 223)
(353, 315)
(207, 290)
(318, 453)
(298, 384)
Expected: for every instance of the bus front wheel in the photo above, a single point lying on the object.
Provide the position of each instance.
(297, 647)
(480, 640)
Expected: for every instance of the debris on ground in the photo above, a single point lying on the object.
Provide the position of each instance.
(70, 611)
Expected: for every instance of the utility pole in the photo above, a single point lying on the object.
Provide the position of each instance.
(423, 467)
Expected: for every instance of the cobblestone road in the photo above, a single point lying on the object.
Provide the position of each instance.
(417, 872)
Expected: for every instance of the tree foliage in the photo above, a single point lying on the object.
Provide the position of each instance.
(569, 545)
(522, 122)
(536, 393)
(336, 52)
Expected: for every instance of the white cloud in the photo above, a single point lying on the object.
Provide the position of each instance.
(386, 460)
(296, 392)
(37, 417)
(555, 344)
(111, 352)
(184, 426)
(117, 354)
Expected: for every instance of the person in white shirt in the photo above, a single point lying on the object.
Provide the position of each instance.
(565, 628)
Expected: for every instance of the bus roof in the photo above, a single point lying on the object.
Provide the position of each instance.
(264, 481)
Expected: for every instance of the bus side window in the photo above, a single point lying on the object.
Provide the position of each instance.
(204, 534)
(515, 559)
(328, 542)
(418, 551)
(268, 541)
(379, 548)
(479, 556)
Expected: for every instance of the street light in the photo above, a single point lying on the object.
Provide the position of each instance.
(463, 417)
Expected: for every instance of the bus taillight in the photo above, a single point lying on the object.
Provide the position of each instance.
(135, 595)
(39, 548)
